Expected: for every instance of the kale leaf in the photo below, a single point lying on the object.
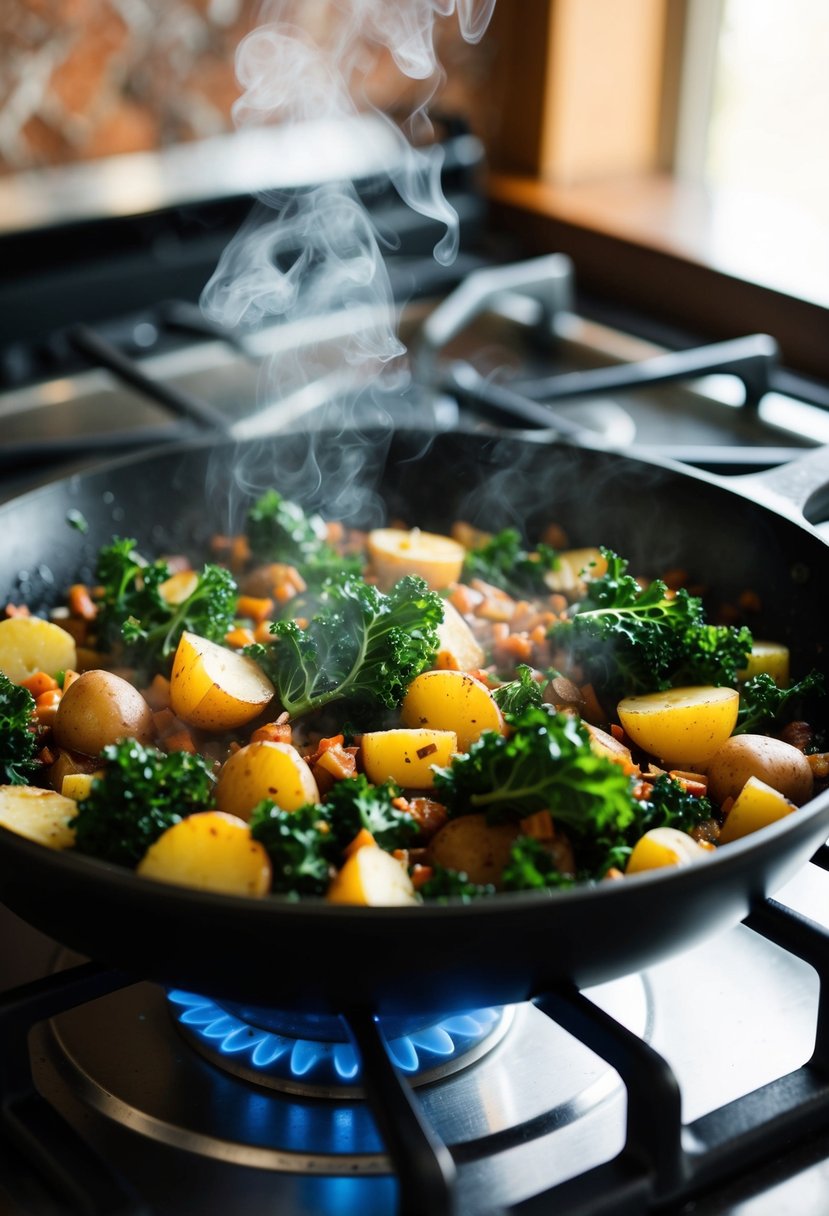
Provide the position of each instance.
(519, 694)
(300, 844)
(669, 805)
(763, 704)
(133, 611)
(279, 530)
(503, 562)
(545, 762)
(18, 738)
(453, 884)
(629, 639)
(531, 867)
(140, 794)
(354, 803)
(305, 844)
(361, 647)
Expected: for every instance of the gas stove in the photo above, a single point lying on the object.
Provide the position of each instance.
(699, 1086)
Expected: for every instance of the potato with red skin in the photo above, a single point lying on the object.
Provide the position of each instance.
(772, 761)
(99, 708)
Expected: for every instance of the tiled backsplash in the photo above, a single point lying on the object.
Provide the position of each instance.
(83, 79)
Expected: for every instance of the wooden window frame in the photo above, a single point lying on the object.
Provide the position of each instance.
(588, 156)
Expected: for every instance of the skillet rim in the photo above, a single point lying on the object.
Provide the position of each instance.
(274, 906)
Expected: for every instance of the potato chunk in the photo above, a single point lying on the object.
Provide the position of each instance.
(212, 851)
(29, 644)
(215, 688)
(407, 756)
(40, 815)
(756, 806)
(451, 700)
(664, 847)
(474, 847)
(778, 764)
(265, 769)
(682, 727)
(394, 552)
(100, 708)
(373, 878)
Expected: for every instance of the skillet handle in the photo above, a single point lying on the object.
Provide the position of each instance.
(799, 488)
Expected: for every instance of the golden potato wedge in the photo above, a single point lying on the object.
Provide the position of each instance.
(29, 644)
(407, 755)
(40, 815)
(769, 658)
(265, 769)
(457, 645)
(211, 851)
(77, 785)
(394, 552)
(664, 847)
(373, 878)
(756, 806)
(451, 700)
(682, 727)
(215, 688)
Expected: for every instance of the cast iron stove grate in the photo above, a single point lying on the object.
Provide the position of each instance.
(663, 1164)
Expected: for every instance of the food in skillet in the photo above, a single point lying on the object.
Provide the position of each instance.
(393, 718)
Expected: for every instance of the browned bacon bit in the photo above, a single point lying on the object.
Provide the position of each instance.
(429, 815)
(707, 832)
(798, 734)
(272, 732)
(819, 764)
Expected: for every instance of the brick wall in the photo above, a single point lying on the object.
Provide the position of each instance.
(82, 79)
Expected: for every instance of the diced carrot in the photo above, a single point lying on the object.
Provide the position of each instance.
(273, 732)
(179, 741)
(157, 695)
(240, 637)
(819, 764)
(80, 602)
(692, 783)
(239, 553)
(262, 632)
(46, 706)
(613, 873)
(254, 607)
(165, 722)
(38, 683)
(538, 825)
(363, 838)
(518, 646)
(46, 756)
(465, 599)
(593, 711)
(446, 661)
(11, 610)
(420, 875)
(337, 761)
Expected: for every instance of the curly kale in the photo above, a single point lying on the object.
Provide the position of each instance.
(361, 647)
(355, 803)
(519, 694)
(669, 805)
(763, 705)
(629, 639)
(545, 762)
(531, 867)
(141, 793)
(453, 884)
(503, 562)
(300, 844)
(279, 530)
(133, 611)
(18, 738)
(305, 844)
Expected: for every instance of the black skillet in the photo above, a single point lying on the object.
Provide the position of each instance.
(320, 958)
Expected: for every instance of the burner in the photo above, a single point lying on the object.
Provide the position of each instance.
(301, 1062)
(121, 1061)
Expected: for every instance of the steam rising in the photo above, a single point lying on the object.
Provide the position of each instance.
(314, 249)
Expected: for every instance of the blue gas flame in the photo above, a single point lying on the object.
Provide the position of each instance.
(318, 1062)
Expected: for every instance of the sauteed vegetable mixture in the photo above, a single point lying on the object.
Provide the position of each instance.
(394, 717)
